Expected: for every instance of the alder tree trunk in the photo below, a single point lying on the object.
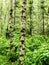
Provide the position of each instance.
(22, 34)
(31, 3)
(42, 7)
(11, 29)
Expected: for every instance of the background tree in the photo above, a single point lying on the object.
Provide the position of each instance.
(39, 18)
(30, 9)
(47, 22)
(1, 28)
(42, 7)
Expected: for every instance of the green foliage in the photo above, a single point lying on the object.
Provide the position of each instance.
(36, 50)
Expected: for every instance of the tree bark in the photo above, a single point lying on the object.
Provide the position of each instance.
(42, 7)
(22, 34)
(47, 30)
(14, 11)
(1, 18)
(11, 28)
(30, 8)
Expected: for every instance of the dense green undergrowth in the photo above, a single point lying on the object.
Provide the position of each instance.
(36, 50)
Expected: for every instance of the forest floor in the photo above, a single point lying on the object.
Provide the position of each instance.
(36, 50)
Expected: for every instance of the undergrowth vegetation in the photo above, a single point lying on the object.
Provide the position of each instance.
(36, 50)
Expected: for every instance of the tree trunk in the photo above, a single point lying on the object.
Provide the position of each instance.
(11, 28)
(14, 11)
(43, 23)
(11, 24)
(38, 23)
(22, 35)
(30, 8)
(42, 7)
(47, 23)
(1, 19)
